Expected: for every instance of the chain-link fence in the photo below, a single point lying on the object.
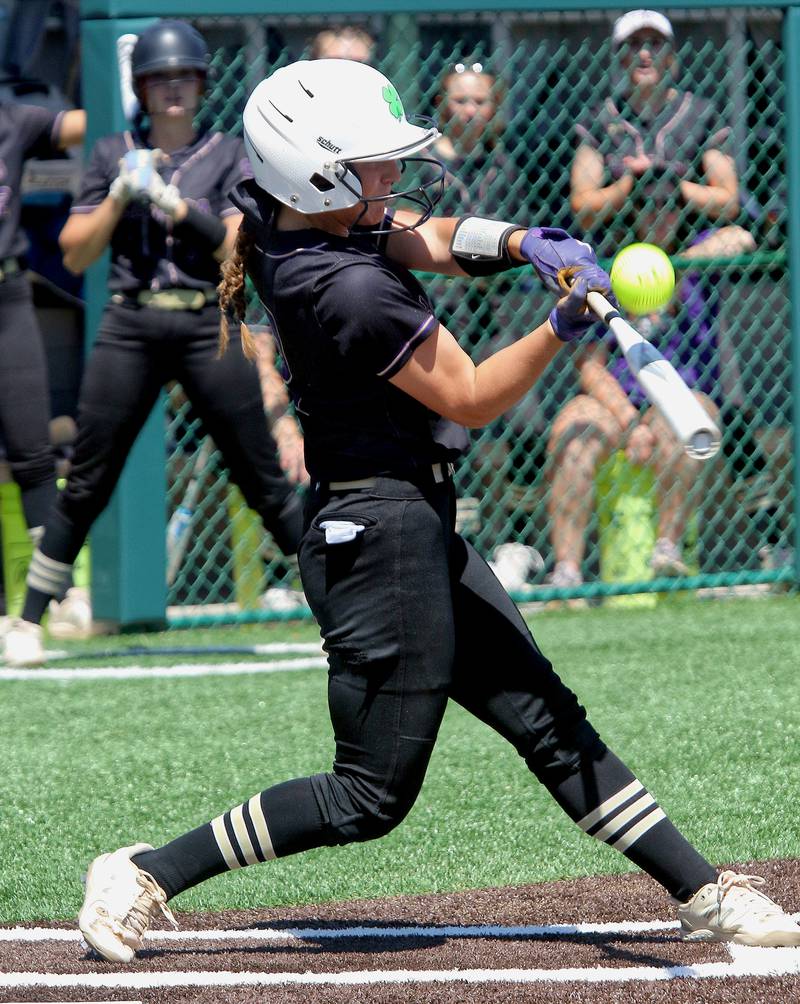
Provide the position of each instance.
(538, 112)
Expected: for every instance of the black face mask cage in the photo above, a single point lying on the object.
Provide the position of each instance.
(419, 195)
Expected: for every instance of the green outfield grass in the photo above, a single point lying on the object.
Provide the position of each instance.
(701, 698)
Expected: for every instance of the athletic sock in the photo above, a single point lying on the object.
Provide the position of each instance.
(239, 837)
(47, 578)
(607, 801)
(35, 605)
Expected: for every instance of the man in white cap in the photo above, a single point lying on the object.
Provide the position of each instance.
(652, 164)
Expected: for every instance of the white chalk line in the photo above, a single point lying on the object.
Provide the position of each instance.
(29, 934)
(770, 962)
(184, 670)
(746, 962)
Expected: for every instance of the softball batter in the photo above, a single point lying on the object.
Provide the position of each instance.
(411, 616)
(159, 198)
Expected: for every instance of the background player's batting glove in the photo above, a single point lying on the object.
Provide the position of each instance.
(550, 249)
(122, 189)
(148, 184)
(570, 318)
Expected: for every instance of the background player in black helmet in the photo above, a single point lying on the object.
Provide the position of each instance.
(410, 614)
(26, 131)
(159, 197)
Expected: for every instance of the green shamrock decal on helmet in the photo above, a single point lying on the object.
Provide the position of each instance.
(392, 99)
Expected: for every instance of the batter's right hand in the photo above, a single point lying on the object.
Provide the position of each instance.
(571, 318)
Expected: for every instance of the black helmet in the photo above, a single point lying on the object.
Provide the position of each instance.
(168, 45)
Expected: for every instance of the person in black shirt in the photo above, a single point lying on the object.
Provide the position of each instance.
(410, 615)
(26, 131)
(159, 198)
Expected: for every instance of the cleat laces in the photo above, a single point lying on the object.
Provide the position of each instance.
(744, 888)
(147, 904)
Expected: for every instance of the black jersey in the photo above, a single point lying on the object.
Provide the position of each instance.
(347, 318)
(25, 131)
(145, 254)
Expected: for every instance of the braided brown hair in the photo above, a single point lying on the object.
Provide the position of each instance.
(231, 291)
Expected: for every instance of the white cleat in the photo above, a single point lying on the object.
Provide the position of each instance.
(120, 903)
(732, 909)
(23, 644)
(72, 617)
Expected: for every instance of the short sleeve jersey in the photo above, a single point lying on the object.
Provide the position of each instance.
(679, 134)
(145, 253)
(25, 131)
(346, 319)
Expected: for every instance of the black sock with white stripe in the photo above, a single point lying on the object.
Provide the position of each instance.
(605, 799)
(239, 837)
(47, 579)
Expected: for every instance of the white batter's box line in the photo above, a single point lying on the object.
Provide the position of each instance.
(39, 934)
(770, 962)
(266, 934)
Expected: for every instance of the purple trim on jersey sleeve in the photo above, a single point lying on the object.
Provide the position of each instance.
(55, 132)
(408, 348)
(83, 209)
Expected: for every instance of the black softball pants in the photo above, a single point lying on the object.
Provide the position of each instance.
(25, 401)
(138, 350)
(411, 616)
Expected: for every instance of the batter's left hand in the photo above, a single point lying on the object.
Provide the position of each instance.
(550, 249)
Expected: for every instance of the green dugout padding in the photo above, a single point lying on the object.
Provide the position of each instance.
(128, 540)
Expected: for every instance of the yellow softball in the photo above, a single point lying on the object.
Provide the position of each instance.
(642, 278)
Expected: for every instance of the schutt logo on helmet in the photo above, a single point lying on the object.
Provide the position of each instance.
(326, 144)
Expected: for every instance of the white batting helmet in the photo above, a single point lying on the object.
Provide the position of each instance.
(309, 121)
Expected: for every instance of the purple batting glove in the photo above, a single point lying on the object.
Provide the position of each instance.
(570, 318)
(549, 249)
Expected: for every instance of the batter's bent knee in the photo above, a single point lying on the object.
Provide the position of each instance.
(561, 750)
(370, 823)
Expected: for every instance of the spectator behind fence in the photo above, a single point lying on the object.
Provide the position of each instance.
(26, 131)
(343, 42)
(158, 196)
(652, 165)
(480, 174)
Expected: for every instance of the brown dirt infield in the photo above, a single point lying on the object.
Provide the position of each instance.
(607, 899)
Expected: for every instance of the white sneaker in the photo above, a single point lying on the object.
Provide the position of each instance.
(513, 562)
(120, 903)
(23, 644)
(281, 599)
(667, 559)
(72, 617)
(731, 909)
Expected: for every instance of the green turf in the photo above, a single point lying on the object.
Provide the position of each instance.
(700, 698)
